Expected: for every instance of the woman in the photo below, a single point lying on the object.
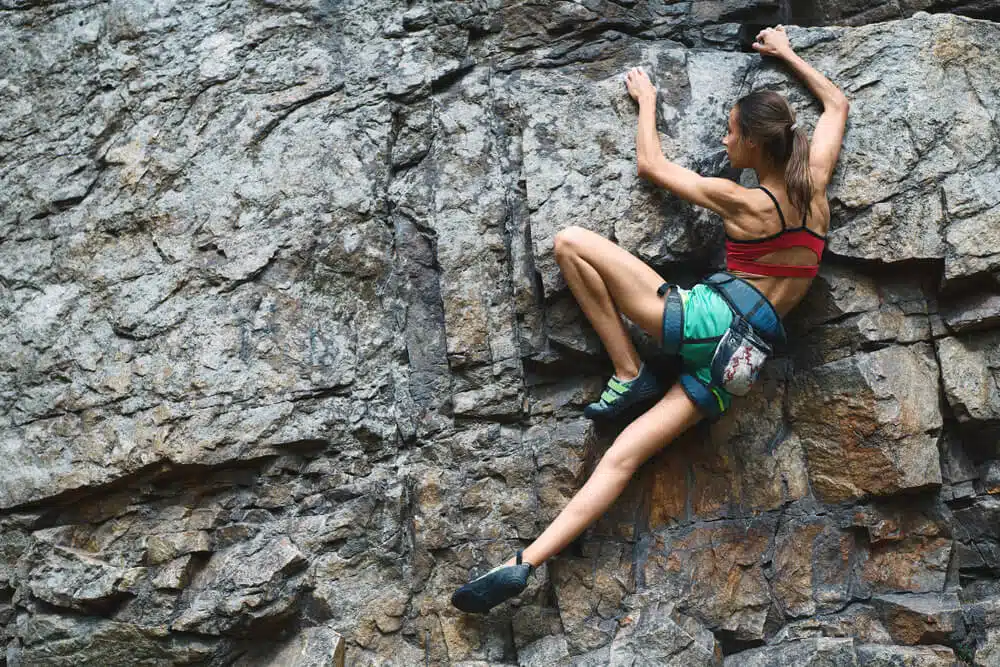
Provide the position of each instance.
(774, 239)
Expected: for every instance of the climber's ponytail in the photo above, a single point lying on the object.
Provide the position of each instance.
(766, 118)
(797, 178)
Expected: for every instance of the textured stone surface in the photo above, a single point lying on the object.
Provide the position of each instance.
(716, 574)
(874, 655)
(589, 592)
(812, 567)
(285, 355)
(980, 311)
(804, 653)
(921, 619)
(978, 533)
(857, 620)
(869, 424)
(851, 311)
(548, 650)
(656, 635)
(66, 578)
(313, 647)
(970, 372)
(246, 583)
(61, 640)
(988, 652)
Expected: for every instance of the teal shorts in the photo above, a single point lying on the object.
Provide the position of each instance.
(706, 318)
(695, 320)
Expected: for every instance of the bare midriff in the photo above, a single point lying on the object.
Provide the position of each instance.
(783, 293)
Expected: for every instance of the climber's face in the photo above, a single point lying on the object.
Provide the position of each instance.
(737, 147)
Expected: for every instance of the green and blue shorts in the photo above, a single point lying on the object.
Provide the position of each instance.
(703, 316)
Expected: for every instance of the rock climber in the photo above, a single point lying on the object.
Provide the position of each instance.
(722, 328)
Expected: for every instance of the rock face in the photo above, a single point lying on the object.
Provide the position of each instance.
(285, 354)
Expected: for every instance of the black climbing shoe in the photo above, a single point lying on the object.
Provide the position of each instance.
(499, 584)
(620, 396)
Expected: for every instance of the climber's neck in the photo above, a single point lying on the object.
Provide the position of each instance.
(771, 178)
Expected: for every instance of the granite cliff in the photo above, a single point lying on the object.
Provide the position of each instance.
(285, 355)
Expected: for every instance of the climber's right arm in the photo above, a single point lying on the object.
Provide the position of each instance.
(824, 148)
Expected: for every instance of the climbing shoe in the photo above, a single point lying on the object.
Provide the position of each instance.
(499, 584)
(619, 396)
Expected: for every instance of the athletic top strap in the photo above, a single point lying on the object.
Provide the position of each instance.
(780, 214)
(775, 200)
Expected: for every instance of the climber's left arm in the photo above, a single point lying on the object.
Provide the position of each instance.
(717, 194)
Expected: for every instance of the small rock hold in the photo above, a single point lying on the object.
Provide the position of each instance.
(417, 18)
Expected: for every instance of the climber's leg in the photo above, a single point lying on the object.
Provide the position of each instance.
(607, 280)
(658, 426)
(662, 423)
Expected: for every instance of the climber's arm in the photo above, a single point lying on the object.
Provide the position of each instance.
(824, 148)
(825, 145)
(717, 194)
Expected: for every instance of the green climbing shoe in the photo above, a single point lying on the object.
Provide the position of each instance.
(619, 396)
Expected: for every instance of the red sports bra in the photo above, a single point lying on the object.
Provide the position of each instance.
(743, 255)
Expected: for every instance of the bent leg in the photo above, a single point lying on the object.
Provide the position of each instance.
(665, 421)
(606, 279)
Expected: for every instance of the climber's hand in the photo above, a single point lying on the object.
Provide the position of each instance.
(772, 42)
(639, 86)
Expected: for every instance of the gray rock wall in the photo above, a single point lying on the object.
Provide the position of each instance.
(285, 355)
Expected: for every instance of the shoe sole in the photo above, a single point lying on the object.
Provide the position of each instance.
(481, 595)
(608, 415)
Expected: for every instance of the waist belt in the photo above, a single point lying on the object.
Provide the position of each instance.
(748, 301)
(673, 319)
(749, 307)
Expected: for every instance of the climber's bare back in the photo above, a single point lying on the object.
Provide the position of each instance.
(783, 292)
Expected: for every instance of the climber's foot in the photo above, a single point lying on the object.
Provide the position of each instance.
(499, 584)
(619, 396)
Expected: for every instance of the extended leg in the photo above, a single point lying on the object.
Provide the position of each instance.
(664, 422)
(606, 280)
(641, 439)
